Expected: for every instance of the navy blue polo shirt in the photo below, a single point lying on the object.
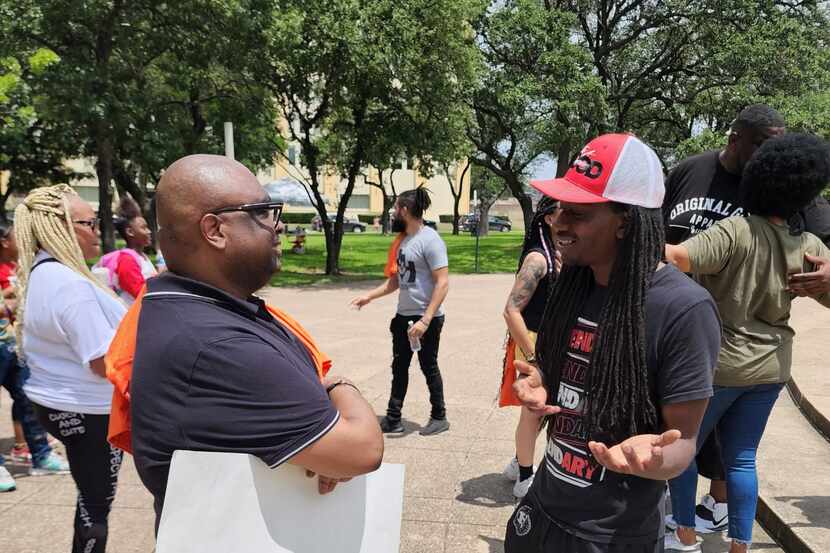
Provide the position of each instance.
(214, 373)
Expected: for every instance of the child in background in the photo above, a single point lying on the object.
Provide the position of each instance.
(129, 267)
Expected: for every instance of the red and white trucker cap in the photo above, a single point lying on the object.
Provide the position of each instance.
(611, 168)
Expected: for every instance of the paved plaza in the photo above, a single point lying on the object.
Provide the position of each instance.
(456, 500)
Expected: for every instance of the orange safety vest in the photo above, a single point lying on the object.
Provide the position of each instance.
(119, 361)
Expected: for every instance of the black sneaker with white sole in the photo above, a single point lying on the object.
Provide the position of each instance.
(711, 516)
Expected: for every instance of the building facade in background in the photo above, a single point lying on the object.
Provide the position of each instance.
(365, 200)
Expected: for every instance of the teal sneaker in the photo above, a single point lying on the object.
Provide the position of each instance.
(54, 464)
(6, 481)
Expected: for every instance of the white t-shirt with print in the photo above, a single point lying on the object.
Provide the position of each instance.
(68, 322)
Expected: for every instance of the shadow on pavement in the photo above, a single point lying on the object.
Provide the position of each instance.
(487, 490)
(815, 509)
(496, 546)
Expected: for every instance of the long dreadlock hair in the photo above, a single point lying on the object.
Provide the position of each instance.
(537, 236)
(415, 201)
(43, 220)
(618, 400)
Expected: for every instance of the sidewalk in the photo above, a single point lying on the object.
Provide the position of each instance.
(456, 500)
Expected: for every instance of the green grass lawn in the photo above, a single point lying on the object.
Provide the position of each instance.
(364, 255)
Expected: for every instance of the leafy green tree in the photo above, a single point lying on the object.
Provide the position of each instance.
(32, 146)
(143, 83)
(671, 67)
(349, 76)
(536, 91)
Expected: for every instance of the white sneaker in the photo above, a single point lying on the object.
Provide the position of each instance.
(7, 483)
(511, 471)
(711, 516)
(673, 543)
(521, 487)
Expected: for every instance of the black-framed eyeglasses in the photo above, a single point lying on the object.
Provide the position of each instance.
(261, 212)
(91, 223)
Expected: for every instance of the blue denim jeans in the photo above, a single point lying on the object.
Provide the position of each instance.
(13, 374)
(741, 415)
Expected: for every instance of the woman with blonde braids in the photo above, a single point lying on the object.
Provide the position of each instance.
(66, 320)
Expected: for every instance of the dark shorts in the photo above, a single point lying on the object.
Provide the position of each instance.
(530, 530)
(708, 459)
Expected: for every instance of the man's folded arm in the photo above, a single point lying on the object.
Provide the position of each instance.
(354, 446)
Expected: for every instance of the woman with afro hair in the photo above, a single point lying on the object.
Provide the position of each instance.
(745, 263)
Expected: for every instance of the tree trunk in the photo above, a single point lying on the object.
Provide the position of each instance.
(332, 249)
(483, 219)
(388, 203)
(356, 162)
(563, 159)
(5, 198)
(456, 201)
(391, 199)
(103, 169)
(517, 188)
(457, 198)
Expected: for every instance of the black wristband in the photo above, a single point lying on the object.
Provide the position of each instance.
(338, 383)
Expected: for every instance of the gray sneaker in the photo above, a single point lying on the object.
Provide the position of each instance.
(435, 426)
(390, 426)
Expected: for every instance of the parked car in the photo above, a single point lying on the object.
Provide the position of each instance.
(494, 222)
(431, 224)
(350, 224)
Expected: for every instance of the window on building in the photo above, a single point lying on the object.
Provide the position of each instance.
(359, 201)
(292, 154)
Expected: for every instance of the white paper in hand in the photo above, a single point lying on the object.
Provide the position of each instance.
(231, 502)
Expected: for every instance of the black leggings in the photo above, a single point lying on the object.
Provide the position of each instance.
(94, 465)
(428, 359)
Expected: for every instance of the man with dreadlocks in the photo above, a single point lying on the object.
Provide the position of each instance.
(66, 320)
(422, 277)
(523, 314)
(626, 352)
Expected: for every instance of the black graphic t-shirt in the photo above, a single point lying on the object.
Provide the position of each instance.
(682, 341)
(699, 193)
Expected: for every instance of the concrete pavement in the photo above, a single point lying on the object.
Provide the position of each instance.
(455, 498)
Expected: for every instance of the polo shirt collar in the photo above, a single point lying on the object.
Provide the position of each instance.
(169, 281)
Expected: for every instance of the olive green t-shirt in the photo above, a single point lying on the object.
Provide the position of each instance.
(744, 263)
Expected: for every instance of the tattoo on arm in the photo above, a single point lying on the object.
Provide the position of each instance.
(532, 272)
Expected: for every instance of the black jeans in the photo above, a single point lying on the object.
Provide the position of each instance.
(427, 357)
(94, 465)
